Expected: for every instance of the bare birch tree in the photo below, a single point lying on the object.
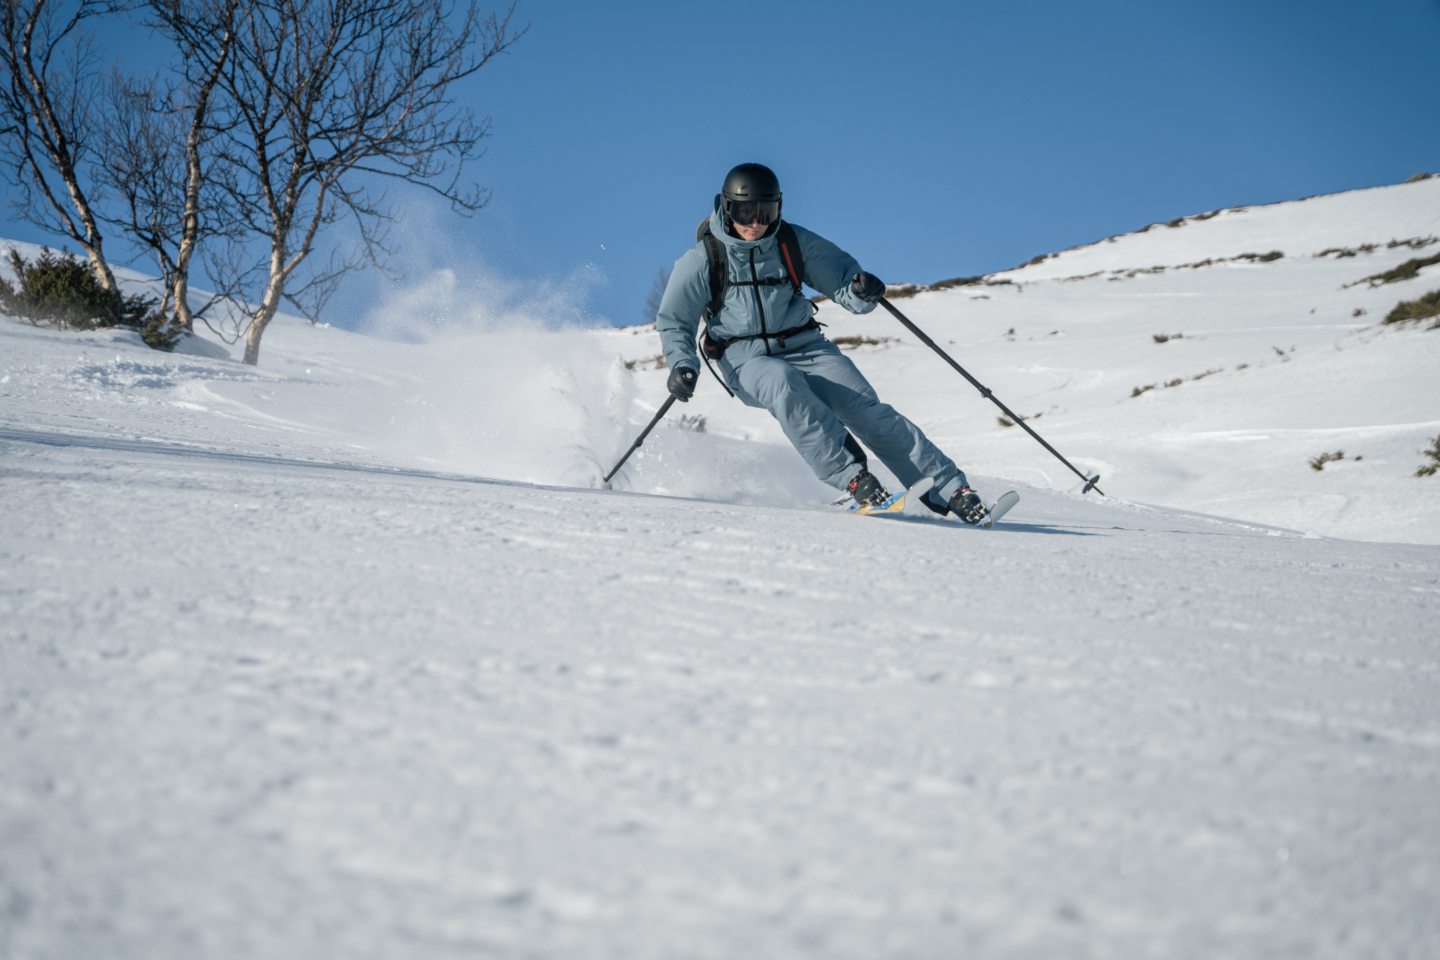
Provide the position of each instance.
(332, 99)
(48, 78)
(156, 158)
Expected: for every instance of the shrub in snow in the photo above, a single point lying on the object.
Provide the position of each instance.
(60, 290)
(657, 361)
(852, 343)
(1408, 270)
(1433, 467)
(1318, 463)
(1410, 311)
(159, 333)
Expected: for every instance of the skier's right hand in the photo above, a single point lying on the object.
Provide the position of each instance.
(682, 383)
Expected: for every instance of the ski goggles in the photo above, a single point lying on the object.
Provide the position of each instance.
(764, 212)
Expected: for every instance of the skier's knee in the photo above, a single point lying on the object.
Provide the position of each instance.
(773, 382)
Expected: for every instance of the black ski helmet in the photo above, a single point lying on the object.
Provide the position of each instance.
(749, 182)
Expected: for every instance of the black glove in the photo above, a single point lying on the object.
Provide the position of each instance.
(867, 287)
(681, 384)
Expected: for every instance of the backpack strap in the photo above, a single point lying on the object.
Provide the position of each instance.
(719, 270)
(719, 279)
(790, 253)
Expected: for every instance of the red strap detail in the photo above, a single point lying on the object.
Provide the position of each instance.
(789, 266)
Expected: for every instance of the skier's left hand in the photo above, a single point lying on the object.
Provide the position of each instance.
(867, 287)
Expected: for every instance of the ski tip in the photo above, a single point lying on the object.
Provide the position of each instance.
(1002, 505)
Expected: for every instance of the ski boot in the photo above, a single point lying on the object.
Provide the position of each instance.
(966, 504)
(867, 491)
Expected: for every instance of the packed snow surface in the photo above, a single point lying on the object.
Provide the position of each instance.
(345, 655)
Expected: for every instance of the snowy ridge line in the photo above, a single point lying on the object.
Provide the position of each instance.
(1302, 232)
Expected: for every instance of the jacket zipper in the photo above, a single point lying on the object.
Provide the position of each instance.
(759, 304)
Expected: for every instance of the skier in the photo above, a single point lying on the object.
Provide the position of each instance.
(772, 354)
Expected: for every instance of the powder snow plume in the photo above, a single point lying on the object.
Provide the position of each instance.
(498, 384)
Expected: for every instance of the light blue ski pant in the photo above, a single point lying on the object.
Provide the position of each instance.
(817, 394)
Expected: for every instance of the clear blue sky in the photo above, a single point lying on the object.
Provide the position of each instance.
(930, 139)
(935, 139)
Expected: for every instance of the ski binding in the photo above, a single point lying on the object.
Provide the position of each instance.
(896, 502)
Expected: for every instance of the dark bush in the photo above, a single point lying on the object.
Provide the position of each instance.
(1406, 271)
(657, 361)
(1433, 467)
(859, 341)
(1410, 311)
(60, 290)
(160, 334)
(957, 282)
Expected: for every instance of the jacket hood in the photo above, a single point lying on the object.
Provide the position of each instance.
(717, 227)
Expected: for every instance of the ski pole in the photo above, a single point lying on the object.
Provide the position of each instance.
(664, 408)
(1090, 482)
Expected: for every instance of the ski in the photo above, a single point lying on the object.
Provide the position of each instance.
(999, 508)
(896, 502)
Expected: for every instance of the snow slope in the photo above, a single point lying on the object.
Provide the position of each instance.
(343, 656)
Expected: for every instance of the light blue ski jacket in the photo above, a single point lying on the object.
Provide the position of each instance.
(750, 310)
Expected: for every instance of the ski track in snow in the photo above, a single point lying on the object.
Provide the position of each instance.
(428, 716)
